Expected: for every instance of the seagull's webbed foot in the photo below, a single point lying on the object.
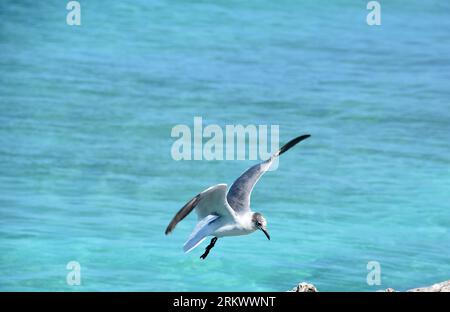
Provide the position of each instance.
(208, 248)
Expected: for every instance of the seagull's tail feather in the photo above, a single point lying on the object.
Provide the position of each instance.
(205, 227)
(291, 144)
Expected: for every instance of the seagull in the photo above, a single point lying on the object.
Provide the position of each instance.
(222, 214)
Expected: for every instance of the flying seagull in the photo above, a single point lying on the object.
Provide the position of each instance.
(227, 214)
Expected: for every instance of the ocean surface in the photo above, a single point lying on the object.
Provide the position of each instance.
(87, 175)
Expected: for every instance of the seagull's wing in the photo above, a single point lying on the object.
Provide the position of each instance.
(239, 194)
(204, 227)
(211, 201)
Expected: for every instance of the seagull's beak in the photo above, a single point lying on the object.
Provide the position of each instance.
(266, 233)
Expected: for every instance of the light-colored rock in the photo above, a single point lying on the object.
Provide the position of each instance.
(439, 287)
(304, 287)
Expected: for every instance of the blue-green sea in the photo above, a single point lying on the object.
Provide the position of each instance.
(87, 175)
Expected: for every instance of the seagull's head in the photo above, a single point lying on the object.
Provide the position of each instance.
(260, 223)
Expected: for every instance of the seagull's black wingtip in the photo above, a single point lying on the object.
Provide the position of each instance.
(292, 143)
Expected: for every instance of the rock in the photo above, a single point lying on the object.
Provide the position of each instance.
(304, 287)
(439, 287)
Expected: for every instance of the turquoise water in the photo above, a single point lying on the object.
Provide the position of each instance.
(86, 172)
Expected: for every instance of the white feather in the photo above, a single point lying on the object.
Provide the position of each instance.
(204, 227)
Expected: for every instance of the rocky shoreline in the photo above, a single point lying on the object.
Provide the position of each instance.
(439, 287)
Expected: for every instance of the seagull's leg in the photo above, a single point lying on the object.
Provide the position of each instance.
(209, 247)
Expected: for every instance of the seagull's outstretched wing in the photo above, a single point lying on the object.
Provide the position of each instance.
(211, 201)
(239, 195)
